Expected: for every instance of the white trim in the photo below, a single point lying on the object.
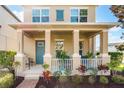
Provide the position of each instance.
(39, 39)
(81, 39)
(59, 39)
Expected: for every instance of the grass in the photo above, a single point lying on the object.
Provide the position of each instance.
(120, 67)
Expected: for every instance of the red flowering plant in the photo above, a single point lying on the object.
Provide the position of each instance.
(46, 73)
(103, 67)
(81, 69)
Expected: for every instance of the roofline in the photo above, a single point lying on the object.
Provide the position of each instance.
(11, 13)
(107, 24)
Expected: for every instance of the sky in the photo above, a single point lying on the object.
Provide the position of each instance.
(103, 14)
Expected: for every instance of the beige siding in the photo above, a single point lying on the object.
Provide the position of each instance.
(8, 35)
(28, 12)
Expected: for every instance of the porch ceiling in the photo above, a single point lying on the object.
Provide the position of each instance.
(63, 26)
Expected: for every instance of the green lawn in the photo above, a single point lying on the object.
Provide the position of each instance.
(120, 67)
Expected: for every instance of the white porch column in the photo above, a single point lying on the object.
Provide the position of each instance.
(47, 56)
(90, 45)
(20, 57)
(76, 56)
(104, 46)
(94, 45)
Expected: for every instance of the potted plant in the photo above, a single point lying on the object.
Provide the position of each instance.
(46, 74)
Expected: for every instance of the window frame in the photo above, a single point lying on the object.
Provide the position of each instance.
(79, 8)
(56, 14)
(59, 40)
(41, 8)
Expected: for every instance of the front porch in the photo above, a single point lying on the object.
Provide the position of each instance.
(72, 35)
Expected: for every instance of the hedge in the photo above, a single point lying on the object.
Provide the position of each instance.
(6, 58)
(115, 56)
(6, 80)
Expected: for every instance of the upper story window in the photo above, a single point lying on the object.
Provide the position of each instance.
(40, 15)
(78, 15)
(36, 15)
(59, 15)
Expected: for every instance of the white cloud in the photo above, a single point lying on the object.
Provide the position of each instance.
(19, 14)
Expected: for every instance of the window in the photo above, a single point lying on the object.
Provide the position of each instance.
(74, 15)
(59, 47)
(78, 15)
(83, 15)
(59, 15)
(45, 15)
(81, 48)
(36, 15)
(40, 15)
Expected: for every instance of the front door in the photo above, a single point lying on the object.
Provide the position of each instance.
(40, 45)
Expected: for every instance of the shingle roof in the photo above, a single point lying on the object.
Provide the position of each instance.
(11, 13)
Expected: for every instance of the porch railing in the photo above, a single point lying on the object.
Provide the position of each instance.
(92, 63)
(60, 64)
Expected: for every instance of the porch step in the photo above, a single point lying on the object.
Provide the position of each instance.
(32, 76)
(33, 73)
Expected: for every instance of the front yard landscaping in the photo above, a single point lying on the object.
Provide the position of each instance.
(83, 82)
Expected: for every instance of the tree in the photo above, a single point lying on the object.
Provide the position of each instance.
(118, 11)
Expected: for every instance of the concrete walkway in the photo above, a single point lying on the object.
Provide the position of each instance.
(28, 84)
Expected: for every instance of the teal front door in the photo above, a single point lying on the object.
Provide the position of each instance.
(40, 45)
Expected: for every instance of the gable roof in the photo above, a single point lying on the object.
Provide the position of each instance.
(11, 13)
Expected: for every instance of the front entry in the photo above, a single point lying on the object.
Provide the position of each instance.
(40, 46)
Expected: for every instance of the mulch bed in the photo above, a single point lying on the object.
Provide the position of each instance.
(17, 81)
(55, 84)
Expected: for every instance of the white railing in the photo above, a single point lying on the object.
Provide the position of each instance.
(60, 64)
(92, 63)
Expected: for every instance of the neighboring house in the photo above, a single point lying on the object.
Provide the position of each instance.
(112, 48)
(47, 29)
(8, 35)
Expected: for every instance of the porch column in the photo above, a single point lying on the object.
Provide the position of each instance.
(20, 57)
(76, 56)
(90, 44)
(94, 45)
(47, 56)
(104, 46)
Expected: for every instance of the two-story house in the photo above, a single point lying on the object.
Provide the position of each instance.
(48, 29)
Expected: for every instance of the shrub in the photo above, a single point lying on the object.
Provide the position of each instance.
(104, 80)
(7, 59)
(77, 79)
(57, 74)
(6, 80)
(116, 56)
(92, 79)
(63, 79)
(103, 67)
(67, 72)
(81, 69)
(118, 79)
